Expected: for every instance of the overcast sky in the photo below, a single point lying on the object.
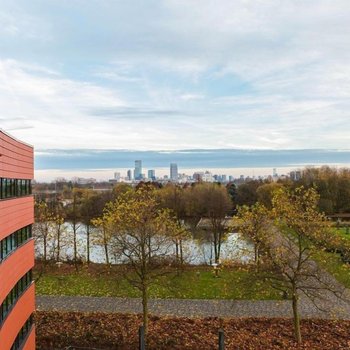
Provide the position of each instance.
(176, 74)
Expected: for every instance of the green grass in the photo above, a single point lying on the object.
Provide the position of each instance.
(330, 262)
(333, 263)
(193, 283)
(342, 232)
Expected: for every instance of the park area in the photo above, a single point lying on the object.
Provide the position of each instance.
(192, 282)
(285, 284)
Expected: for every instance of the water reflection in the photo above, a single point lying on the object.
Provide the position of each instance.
(197, 251)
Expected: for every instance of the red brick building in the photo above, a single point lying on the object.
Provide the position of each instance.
(17, 293)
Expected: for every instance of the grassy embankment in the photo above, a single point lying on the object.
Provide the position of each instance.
(342, 232)
(192, 283)
(332, 262)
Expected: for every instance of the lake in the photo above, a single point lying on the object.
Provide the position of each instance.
(196, 252)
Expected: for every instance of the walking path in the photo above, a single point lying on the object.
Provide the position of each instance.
(190, 307)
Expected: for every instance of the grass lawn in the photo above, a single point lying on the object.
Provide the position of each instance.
(332, 263)
(342, 232)
(192, 283)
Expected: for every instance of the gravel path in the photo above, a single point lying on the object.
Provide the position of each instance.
(189, 307)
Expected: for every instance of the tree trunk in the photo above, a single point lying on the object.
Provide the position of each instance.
(219, 246)
(296, 317)
(177, 250)
(75, 246)
(181, 253)
(88, 244)
(45, 249)
(105, 244)
(216, 250)
(58, 243)
(256, 256)
(145, 307)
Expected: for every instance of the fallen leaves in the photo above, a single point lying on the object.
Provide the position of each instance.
(56, 330)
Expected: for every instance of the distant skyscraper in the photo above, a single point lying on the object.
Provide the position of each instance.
(198, 176)
(129, 175)
(117, 176)
(295, 175)
(173, 172)
(138, 170)
(152, 174)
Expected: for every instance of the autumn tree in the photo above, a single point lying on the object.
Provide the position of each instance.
(172, 197)
(246, 193)
(74, 217)
(212, 202)
(333, 186)
(42, 229)
(59, 231)
(265, 193)
(103, 233)
(254, 223)
(141, 235)
(288, 262)
(91, 206)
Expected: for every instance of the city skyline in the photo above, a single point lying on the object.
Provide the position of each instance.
(103, 164)
(175, 75)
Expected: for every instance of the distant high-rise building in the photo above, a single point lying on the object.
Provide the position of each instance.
(117, 176)
(198, 176)
(295, 175)
(152, 174)
(173, 172)
(231, 178)
(208, 177)
(129, 175)
(138, 170)
(274, 172)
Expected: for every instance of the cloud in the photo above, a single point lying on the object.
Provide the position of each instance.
(189, 97)
(245, 74)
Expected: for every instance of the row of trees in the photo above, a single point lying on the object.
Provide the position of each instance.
(84, 209)
(141, 225)
(333, 187)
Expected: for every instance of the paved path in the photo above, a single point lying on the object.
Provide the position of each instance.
(189, 307)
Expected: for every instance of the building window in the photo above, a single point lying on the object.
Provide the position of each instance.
(10, 188)
(22, 334)
(13, 241)
(14, 295)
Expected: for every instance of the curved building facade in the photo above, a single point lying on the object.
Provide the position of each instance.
(17, 293)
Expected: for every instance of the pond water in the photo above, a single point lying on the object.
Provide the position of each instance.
(195, 251)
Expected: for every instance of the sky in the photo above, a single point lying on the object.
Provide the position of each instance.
(176, 74)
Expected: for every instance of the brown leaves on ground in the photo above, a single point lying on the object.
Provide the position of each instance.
(56, 330)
